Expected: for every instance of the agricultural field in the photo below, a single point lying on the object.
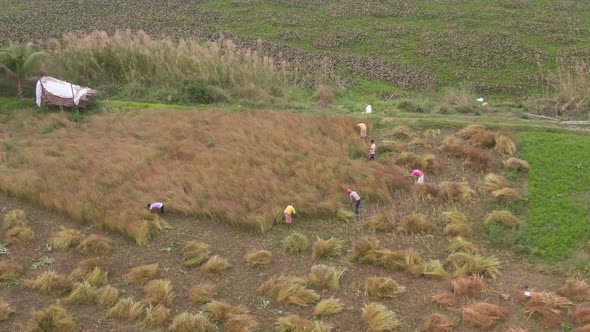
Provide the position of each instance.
(452, 253)
(495, 47)
(258, 103)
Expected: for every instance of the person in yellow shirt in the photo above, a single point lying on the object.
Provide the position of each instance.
(289, 212)
(363, 130)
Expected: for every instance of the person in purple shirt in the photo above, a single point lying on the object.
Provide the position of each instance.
(157, 206)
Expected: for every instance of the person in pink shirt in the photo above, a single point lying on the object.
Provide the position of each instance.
(157, 206)
(419, 175)
(356, 199)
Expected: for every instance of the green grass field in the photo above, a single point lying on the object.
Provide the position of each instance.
(494, 47)
(559, 193)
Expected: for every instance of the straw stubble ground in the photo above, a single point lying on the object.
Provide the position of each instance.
(237, 285)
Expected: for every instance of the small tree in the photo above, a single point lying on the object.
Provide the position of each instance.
(18, 61)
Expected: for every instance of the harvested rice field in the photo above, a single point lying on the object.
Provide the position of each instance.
(444, 256)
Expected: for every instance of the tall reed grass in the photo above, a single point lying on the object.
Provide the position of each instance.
(241, 168)
(133, 64)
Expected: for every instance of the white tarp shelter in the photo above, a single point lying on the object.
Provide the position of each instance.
(56, 92)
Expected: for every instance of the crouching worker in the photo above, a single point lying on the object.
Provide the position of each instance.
(156, 207)
(419, 175)
(289, 212)
(355, 199)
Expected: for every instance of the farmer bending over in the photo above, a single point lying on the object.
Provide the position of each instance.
(356, 199)
(419, 175)
(372, 150)
(289, 212)
(157, 207)
(363, 130)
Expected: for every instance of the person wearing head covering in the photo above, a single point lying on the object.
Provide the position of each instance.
(355, 199)
(372, 150)
(157, 207)
(289, 212)
(419, 175)
(363, 130)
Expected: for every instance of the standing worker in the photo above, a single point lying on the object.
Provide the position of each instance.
(372, 150)
(356, 199)
(363, 130)
(289, 212)
(157, 206)
(419, 175)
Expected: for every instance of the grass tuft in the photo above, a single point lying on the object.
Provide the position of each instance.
(127, 309)
(474, 264)
(547, 305)
(19, 235)
(438, 323)
(506, 195)
(390, 146)
(493, 182)
(327, 248)
(467, 286)
(10, 270)
(202, 293)
(186, 322)
(328, 307)
(459, 244)
(156, 316)
(85, 267)
(402, 132)
(195, 253)
(54, 318)
(143, 273)
(416, 223)
(427, 191)
(260, 257)
(483, 315)
(97, 277)
(294, 323)
(50, 283)
(380, 222)
(378, 318)
(324, 276)
(454, 216)
(575, 290)
(221, 311)
(459, 192)
(108, 296)
(5, 310)
(215, 264)
(504, 218)
(158, 292)
(96, 245)
(582, 315)
(445, 300)
(83, 293)
(515, 163)
(361, 247)
(15, 218)
(476, 158)
(241, 323)
(381, 287)
(288, 290)
(434, 269)
(296, 243)
(505, 145)
(66, 238)
(458, 229)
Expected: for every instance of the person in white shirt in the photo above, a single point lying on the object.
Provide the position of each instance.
(372, 150)
(157, 206)
(356, 199)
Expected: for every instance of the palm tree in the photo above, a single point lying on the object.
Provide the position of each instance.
(19, 61)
